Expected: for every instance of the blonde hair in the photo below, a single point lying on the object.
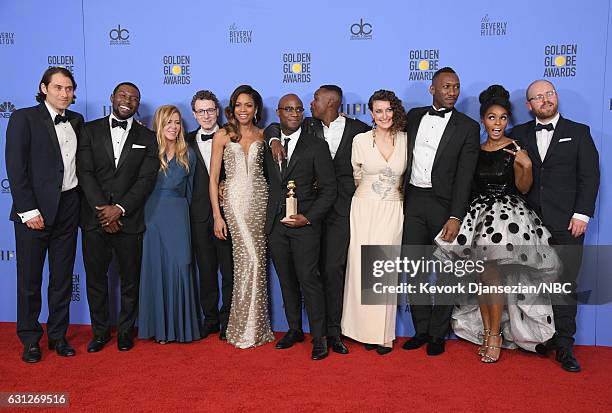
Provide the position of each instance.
(162, 115)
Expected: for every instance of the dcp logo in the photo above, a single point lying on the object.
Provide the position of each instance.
(361, 28)
(119, 34)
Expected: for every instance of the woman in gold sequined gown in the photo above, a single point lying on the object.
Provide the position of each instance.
(376, 218)
(239, 144)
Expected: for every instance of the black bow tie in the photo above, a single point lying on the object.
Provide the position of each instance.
(121, 123)
(548, 127)
(205, 138)
(60, 119)
(433, 112)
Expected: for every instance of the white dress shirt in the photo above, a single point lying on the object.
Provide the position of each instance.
(543, 139)
(67, 140)
(119, 135)
(292, 143)
(426, 144)
(333, 134)
(205, 147)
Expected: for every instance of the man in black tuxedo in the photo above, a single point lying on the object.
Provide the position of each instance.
(117, 165)
(339, 131)
(443, 146)
(295, 242)
(41, 145)
(211, 253)
(565, 185)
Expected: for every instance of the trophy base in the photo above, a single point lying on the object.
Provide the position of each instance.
(291, 209)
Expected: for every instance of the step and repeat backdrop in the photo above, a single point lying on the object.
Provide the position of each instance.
(172, 50)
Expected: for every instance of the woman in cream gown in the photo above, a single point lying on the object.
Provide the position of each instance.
(379, 162)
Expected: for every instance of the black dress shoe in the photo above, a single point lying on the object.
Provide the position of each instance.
(125, 342)
(435, 347)
(97, 343)
(290, 338)
(209, 329)
(568, 361)
(61, 347)
(543, 348)
(319, 348)
(416, 342)
(335, 342)
(382, 350)
(223, 334)
(370, 347)
(31, 353)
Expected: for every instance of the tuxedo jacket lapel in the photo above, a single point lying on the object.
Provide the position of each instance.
(299, 149)
(412, 131)
(127, 146)
(346, 136)
(46, 117)
(194, 145)
(107, 140)
(557, 134)
(446, 136)
(532, 144)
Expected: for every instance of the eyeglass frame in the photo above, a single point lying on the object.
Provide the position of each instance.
(201, 112)
(291, 109)
(539, 98)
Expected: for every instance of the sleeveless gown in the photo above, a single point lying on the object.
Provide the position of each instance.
(245, 202)
(500, 226)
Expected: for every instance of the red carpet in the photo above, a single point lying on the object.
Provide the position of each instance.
(211, 375)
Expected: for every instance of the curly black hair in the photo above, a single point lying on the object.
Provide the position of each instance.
(399, 114)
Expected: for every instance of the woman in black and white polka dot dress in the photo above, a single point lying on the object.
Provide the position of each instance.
(508, 236)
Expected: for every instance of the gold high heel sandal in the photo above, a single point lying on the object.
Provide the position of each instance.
(490, 355)
(485, 336)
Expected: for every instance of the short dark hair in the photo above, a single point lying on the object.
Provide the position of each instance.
(46, 79)
(445, 69)
(204, 95)
(333, 88)
(127, 84)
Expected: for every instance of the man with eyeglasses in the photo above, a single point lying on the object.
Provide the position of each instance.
(117, 164)
(565, 185)
(326, 123)
(295, 242)
(211, 253)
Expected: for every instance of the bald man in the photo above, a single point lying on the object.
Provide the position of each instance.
(295, 243)
(338, 131)
(565, 185)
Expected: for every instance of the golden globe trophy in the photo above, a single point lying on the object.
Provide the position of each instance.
(291, 208)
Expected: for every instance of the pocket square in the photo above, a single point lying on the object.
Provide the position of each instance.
(565, 140)
(136, 146)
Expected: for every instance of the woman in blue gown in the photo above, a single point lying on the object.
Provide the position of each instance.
(168, 307)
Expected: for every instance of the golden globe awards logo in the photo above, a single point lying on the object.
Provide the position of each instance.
(354, 109)
(423, 63)
(65, 61)
(119, 36)
(238, 36)
(492, 28)
(6, 109)
(7, 38)
(361, 30)
(177, 70)
(560, 60)
(296, 67)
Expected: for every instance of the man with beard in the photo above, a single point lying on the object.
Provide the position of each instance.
(565, 185)
(117, 164)
(326, 123)
(41, 145)
(443, 146)
(295, 242)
